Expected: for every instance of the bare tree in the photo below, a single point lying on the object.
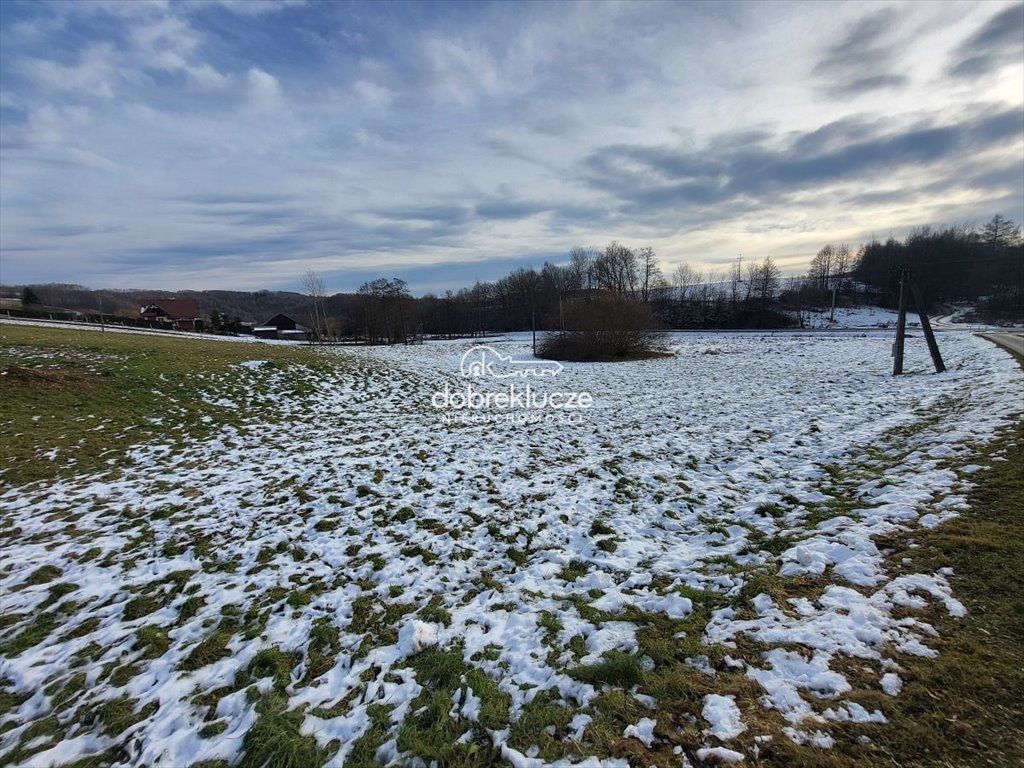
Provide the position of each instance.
(842, 264)
(1000, 232)
(581, 263)
(768, 277)
(314, 287)
(615, 270)
(685, 278)
(650, 273)
(822, 266)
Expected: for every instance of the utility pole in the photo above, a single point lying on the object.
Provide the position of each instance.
(901, 326)
(926, 326)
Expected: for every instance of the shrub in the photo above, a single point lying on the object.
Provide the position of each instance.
(604, 328)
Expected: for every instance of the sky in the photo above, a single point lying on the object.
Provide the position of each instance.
(237, 144)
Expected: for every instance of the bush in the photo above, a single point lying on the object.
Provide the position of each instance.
(605, 328)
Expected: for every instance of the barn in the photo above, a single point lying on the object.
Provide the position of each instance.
(282, 327)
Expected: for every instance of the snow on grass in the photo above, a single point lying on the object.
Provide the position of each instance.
(724, 716)
(643, 730)
(720, 755)
(343, 574)
(891, 684)
(856, 317)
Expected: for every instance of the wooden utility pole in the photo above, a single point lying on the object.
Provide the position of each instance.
(901, 327)
(926, 326)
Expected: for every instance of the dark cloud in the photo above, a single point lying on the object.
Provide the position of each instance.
(862, 36)
(509, 209)
(74, 230)
(241, 209)
(436, 214)
(863, 60)
(998, 42)
(872, 83)
(231, 199)
(649, 180)
(834, 135)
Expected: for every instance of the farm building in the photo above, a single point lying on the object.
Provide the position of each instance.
(282, 327)
(180, 314)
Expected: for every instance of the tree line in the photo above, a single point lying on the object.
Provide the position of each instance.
(558, 295)
(983, 264)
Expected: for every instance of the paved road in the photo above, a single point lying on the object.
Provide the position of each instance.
(1012, 341)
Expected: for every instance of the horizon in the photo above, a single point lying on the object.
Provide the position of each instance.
(242, 144)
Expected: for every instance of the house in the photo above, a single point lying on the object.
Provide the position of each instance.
(282, 327)
(180, 314)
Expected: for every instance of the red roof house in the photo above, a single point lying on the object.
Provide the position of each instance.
(181, 314)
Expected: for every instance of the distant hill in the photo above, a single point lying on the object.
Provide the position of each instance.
(247, 306)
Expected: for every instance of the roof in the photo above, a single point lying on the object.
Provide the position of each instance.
(176, 308)
(281, 317)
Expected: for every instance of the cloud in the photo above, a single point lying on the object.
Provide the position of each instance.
(503, 208)
(264, 92)
(164, 42)
(373, 95)
(243, 143)
(648, 181)
(206, 78)
(998, 43)
(94, 73)
(864, 59)
(458, 70)
(257, 7)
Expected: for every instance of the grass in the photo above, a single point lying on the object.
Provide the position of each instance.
(274, 740)
(963, 708)
(30, 636)
(39, 735)
(364, 749)
(211, 648)
(954, 708)
(118, 714)
(324, 647)
(430, 733)
(968, 702)
(543, 723)
(42, 575)
(275, 663)
(153, 641)
(615, 668)
(57, 386)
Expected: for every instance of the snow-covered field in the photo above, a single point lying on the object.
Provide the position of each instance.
(704, 535)
(867, 317)
(857, 317)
